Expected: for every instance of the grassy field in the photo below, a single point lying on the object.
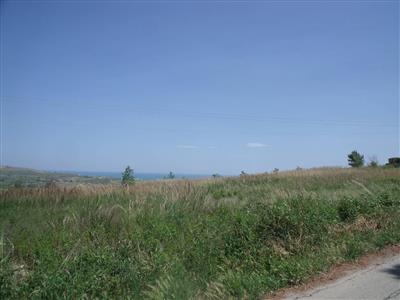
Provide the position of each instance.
(240, 237)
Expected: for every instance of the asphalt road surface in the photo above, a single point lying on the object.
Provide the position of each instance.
(378, 281)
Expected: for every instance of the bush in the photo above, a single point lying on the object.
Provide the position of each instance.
(348, 209)
(386, 200)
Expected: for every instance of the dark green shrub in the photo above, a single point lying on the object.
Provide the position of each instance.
(385, 200)
(348, 209)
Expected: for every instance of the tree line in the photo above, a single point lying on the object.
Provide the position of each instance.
(354, 159)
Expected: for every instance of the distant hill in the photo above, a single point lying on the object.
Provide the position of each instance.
(24, 177)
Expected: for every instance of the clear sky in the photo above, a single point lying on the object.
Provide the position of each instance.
(198, 86)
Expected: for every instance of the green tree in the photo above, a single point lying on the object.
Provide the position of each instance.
(394, 162)
(355, 159)
(127, 176)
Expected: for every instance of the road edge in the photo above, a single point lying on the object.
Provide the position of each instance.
(336, 272)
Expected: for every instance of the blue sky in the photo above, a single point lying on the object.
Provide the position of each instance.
(198, 87)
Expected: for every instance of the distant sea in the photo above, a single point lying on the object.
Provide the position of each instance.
(141, 176)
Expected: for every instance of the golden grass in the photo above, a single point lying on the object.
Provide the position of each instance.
(183, 188)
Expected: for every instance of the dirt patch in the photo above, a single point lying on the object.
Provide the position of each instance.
(337, 272)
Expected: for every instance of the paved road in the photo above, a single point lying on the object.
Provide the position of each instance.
(378, 281)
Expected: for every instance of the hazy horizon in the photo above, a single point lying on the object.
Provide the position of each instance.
(198, 87)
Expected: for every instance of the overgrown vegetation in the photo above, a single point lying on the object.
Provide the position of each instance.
(219, 238)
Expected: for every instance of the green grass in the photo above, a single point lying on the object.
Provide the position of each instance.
(224, 238)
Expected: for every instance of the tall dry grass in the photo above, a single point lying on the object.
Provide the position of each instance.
(283, 184)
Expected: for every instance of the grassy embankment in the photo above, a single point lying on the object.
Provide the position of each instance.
(223, 238)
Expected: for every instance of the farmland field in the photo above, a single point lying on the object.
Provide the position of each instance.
(239, 237)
